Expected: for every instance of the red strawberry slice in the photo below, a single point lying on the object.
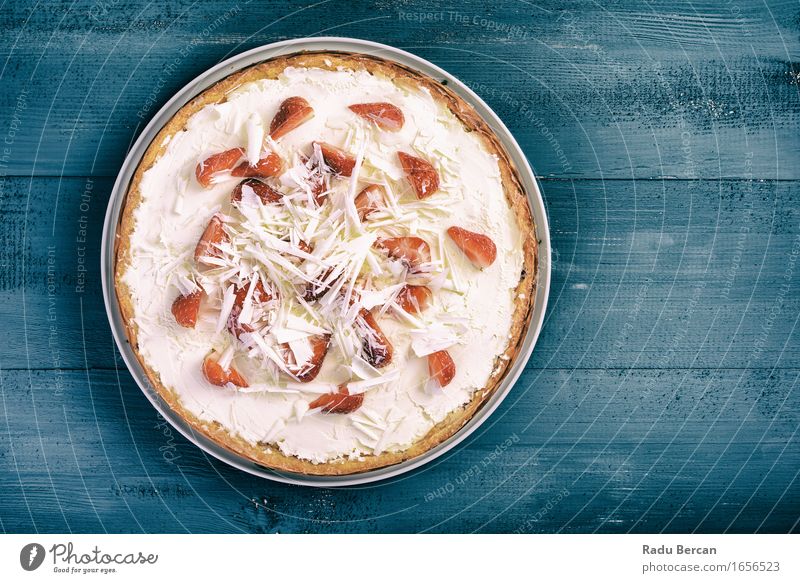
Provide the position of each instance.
(413, 251)
(478, 248)
(337, 159)
(441, 367)
(376, 348)
(216, 375)
(260, 293)
(307, 371)
(314, 291)
(293, 112)
(415, 298)
(186, 307)
(262, 190)
(422, 176)
(269, 165)
(217, 164)
(319, 188)
(213, 235)
(339, 402)
(317, 180)
(385, 115)
(369, 200)
(260, 296)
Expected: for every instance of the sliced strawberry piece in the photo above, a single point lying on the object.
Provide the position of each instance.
(339, 402)
(262, 190)
(317, 180)
(422, 176)
(319, 188)
(385, 115)
(260, 296)
(293, 112)
(412, 250)
(337, 159)
(260, 293)
(218, 163)
(213, 235)
(441, 367)
(478, 248)
(216, 375)
(186, 307)
(415, 298)
(376, 348)
(314, 291)
(369, 200)
(269, 165)
(307, 371)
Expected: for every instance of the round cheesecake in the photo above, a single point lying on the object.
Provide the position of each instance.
(326, 263)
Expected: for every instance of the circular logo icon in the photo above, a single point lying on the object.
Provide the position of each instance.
(31, 556)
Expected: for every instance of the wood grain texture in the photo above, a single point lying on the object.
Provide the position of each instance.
(669, 438)
(618, 90)
(669, 248)
(662, 394)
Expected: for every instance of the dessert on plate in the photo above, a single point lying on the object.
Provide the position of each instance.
(326, 263)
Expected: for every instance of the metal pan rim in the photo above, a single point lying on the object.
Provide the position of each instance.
(246, 59)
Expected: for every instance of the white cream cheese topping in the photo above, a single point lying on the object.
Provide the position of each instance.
(470, 315)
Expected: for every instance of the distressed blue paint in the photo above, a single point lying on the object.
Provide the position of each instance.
(663, 392)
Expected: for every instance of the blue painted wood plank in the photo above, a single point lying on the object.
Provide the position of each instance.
(670, 446)
(701, 263)
(663, 392)
(703, 90)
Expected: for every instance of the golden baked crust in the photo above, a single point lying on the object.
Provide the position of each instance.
(265, 454)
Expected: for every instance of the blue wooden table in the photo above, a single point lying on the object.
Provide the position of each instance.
(663, 393)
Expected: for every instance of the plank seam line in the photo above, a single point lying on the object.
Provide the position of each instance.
(540, 178)
(560, 369)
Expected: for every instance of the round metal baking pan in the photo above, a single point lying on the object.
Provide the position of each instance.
(247, 59)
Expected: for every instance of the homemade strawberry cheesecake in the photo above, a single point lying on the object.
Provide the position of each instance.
(326, 263)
